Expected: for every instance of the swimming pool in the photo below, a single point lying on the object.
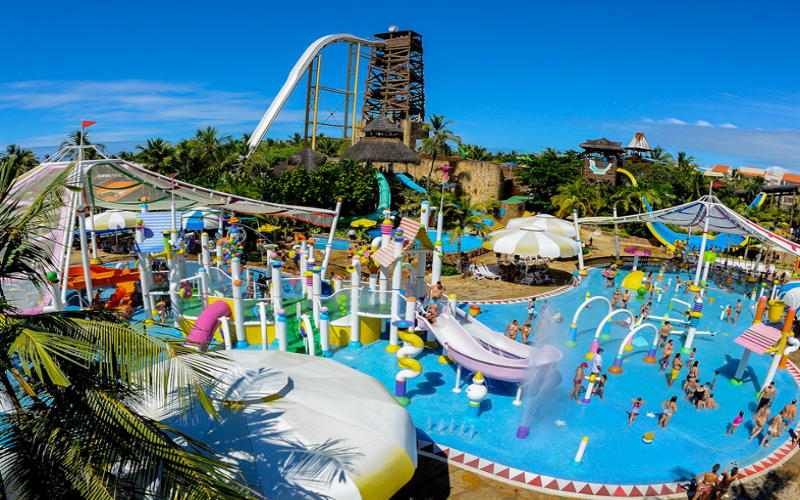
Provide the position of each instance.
(692, 442)
(468, 241)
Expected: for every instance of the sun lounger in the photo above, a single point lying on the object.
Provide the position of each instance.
(487, 273)
(527, 280)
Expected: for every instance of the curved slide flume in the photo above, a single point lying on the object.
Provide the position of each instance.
(384, 201)
(294, 78)
(667, 237)
(206, 324)
(410, 184)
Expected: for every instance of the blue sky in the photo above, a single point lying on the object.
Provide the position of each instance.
(716, 79)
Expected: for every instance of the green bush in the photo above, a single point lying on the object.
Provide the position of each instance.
(449, 271)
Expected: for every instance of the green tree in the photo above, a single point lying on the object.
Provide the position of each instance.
(74, 381)
(22, 158)
(540, 175)
(74, 139)
(157, 155)
(578, 194)
(329, 147)
(437, 141)
(210, 146)
(462, 216)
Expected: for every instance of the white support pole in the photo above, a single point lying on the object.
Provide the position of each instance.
(457, 389)
(438, 253)
(204, 290)
(312, 260)
(316, 291)
(742, 366)
(424, 218)
(277, 288)
(616, 235)
(325, 332)
(397, 284)
(144, 272)
(226, 332)
(220, 257)
(280, 330)
(55, 304)
(87, 274)
(373, 287)
(355, 303)
(205, 255)
(329, 245)
(238, 302)
(174, 281)
(386, 237)
(581, 269)
(303, 267)
(702, 248)
(262, 317)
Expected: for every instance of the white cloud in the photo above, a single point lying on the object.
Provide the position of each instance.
(728, 125)
(674, 121)
(702, 123)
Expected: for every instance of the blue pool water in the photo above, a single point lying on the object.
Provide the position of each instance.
(468, 241)
(692, 442)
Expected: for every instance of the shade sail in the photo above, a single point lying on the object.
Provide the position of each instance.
(721, 219)
(283, 408)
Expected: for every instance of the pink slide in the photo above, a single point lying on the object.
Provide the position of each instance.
(206, 324)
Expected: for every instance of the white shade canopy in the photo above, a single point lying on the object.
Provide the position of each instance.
(200, 218)
(531, 241)
(721, 219)
(112, 220)
(289, 413)
(545, 221)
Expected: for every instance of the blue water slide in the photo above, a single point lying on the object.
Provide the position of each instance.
(409, 183)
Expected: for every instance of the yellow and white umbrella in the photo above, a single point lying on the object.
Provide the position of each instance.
(112, 220)
(282, 412)
(546, 222)
(530, 241)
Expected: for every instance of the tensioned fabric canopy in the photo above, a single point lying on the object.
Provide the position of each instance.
(721, 219)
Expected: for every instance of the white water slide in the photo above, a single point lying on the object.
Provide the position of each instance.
(294, 78)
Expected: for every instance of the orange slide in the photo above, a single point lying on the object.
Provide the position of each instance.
(124, 279)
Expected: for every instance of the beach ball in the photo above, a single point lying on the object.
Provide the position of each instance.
(186, 293)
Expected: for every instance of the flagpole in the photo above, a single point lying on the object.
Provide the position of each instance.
(88, 195)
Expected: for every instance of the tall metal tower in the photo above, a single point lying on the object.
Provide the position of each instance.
(395, 84)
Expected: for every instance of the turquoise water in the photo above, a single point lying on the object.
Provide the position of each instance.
(692, 442)
(468, 241)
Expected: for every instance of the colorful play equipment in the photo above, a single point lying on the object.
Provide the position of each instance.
(694, 315)
(573, 327)
(633, 281)
(412, 346)
(476, 392)
(581, 451)
(616, 367)
(603, 325)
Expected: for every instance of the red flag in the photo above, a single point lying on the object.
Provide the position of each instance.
(87, 123)
(714, 184)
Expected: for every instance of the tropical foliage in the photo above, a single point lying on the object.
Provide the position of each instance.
(438, 141)
(75, 384)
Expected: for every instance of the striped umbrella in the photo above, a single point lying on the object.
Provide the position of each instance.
(546, 222)
(199, 219)
(530, 242)
(112, 220)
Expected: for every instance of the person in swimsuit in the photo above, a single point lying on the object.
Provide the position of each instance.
(512, 330)
(767, 395)
(699, 396)
(577, 382)
(610, 275)
(760, 419)
(532, 309)
(615, 298)
(725, 481)
(714, 380)
(690, 387)
(773, 431)
(600, 387)
(686, 286)
(527, 329)
(709, 403)
(788, 414)
(735, 424)
(644, 311)
(637, 403)
(738, 311)
(704, 483)
(649, 281)
(670, 407)
(625, 298)
(677, 364)
(433, 311)
(669, 348)
(694, 371)
(663, 334)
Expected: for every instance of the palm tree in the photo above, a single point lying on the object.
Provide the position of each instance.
(19, 156)
(210, 144)
(631, 197)
(296, 139)
(578, 194)
(74, 139)
(74, 382)
(328, 147)
(685, 162)
(661, 156)
(157, 154)
(464, 217)
(437, 141)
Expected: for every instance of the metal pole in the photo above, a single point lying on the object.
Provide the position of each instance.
(316, 105)
(355, 302)
(238, 303)
(87, 274)
(419, 287)
(329, 245)
(205, 254)
(581, 270)
(355, 98)
(397, 282)
(143, 273)
(702, 249)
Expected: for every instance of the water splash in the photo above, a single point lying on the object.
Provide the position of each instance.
(472, 432)
(462, 430)
(452, 427)
(440, 427)
(430, 423)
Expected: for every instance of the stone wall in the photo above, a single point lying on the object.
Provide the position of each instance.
(482, 180)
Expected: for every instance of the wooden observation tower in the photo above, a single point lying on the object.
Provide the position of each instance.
(395, 85)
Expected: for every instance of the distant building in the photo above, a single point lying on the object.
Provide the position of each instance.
(602, 157)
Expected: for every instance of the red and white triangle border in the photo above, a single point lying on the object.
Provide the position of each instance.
(578, 489)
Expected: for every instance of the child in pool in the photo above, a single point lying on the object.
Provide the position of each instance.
(735, 424)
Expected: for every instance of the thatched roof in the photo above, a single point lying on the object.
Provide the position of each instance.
(381, 126)
(602, 145)
(306, 158)
(381, 151)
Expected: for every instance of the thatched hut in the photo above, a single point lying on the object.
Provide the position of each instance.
(382, 143)
(306, 158)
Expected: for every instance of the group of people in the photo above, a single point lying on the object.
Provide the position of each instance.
(514, 330)
(260, 284)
